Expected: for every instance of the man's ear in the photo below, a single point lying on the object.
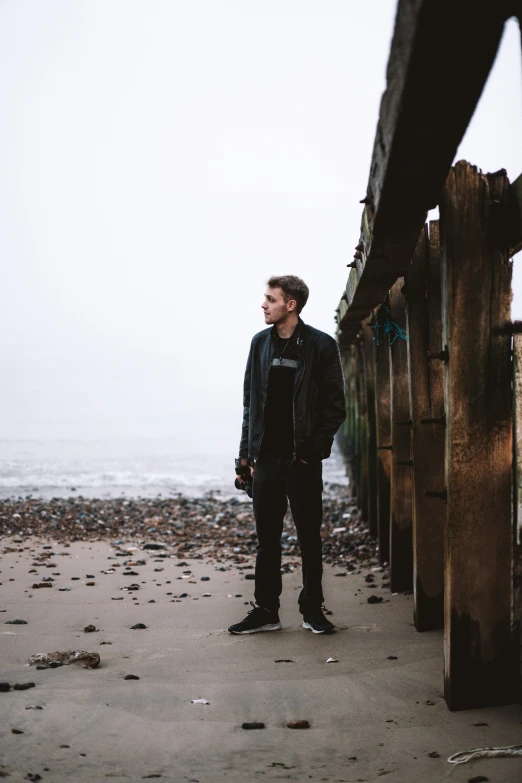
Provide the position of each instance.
(292, 304)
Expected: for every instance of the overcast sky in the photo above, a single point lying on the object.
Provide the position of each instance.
(159, 160)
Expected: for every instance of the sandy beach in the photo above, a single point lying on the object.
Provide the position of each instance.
(377, 711)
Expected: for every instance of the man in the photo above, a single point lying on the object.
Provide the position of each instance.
(293, 406)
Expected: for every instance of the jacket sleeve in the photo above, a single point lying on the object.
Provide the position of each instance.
(243, 446)
(332, 402)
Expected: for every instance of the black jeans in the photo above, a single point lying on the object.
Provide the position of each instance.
(276, 480)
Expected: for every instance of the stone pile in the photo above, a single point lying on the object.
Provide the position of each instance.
(212, 527)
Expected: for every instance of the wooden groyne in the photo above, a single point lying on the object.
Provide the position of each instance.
(432, 362)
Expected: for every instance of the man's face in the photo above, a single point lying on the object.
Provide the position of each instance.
(275, 308)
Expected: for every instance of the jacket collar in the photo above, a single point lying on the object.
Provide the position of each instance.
(297, 339)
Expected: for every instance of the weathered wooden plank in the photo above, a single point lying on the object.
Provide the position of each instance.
(480, 657)
(363, 432)
(348, 438)
(515, 239)
(426, 379)
(401, 547)
(517, 527)
(356, 458)
(369, 381)
(383, 440)
(441, 54)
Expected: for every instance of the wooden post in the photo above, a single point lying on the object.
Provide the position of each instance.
(426, 378)
(517, 527)
(348, 429)
(356, 425)
(383, 440)
(401, 546)
(363, 430)
(479, 655)
(369, 380)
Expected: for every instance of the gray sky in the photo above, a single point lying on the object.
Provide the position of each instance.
(158, 162)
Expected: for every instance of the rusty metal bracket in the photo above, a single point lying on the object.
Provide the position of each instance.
(352, 265)
(440, 420)
(442, 495)
(442, 355)
(509, 327)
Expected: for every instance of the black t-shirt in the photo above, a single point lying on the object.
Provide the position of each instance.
(278, 437)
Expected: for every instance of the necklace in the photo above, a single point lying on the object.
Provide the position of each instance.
(282, 348)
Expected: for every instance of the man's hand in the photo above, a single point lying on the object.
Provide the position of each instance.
(241, 476)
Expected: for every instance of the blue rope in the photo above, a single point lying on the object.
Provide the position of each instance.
(384, 325)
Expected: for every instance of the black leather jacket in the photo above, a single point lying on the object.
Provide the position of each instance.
(319, 403)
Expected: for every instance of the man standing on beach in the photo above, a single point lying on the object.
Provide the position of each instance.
(293, 406)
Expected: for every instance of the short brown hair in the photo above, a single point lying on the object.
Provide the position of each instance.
(292, 287)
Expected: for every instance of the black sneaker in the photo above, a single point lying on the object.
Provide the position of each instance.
(316, 622)
(258, 619)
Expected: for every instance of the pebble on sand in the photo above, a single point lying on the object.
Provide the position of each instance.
(209, 522)
(80, 657)
(298, 724)
(253, 725)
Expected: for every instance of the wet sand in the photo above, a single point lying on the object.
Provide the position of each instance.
(370, 716)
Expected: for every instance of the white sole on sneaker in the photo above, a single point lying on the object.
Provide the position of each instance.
(268, 627)
(311, 628)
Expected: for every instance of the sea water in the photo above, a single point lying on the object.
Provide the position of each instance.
(116, 467)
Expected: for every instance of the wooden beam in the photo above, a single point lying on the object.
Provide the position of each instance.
(401, 548)
(441, 54)
(480, 658)
(383, 440)
(426, 379)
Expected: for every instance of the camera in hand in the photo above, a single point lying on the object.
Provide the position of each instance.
(244, 481)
